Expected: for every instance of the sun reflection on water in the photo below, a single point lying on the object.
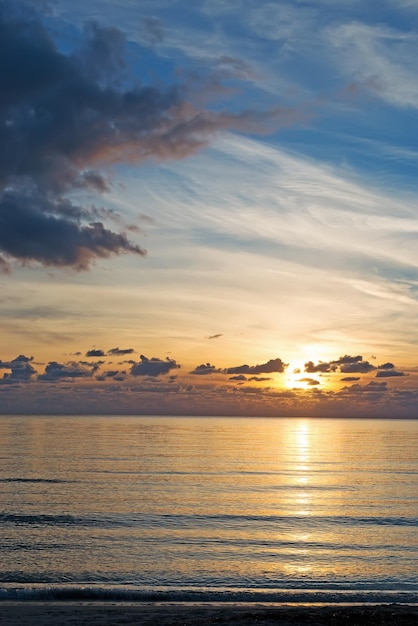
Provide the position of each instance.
(302, 444)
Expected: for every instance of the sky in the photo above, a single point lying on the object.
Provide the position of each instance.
(209, 207)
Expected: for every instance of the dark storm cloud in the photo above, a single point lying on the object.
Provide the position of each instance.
(21, 369)
(388, 373)
(64, 115)
(53, 109)
(153, 366)
(95, 353)
(205, 369)
(31, 229)
(120, 351)
(272, 366)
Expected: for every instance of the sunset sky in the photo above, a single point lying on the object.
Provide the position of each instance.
(209, 207)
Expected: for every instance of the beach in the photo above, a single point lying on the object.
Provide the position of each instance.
(192, 614)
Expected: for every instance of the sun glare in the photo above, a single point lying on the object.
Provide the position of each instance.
(295, 377)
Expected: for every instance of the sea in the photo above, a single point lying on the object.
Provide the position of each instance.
(208, 509)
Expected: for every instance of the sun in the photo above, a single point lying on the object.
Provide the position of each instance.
(297, 378)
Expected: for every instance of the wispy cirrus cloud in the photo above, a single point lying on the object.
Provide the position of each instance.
(384, 56)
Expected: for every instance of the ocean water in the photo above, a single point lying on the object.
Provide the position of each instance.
(156, 508)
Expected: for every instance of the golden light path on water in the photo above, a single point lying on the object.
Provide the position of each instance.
(303, 503)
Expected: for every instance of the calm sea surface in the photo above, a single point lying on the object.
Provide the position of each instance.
(208, 508)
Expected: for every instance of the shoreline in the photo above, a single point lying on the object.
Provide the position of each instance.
(114, 613)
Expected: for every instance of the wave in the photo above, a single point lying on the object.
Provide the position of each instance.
(184, 521)
(54, 481)
(209, 595)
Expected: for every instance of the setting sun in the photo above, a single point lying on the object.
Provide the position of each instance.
(297, 378)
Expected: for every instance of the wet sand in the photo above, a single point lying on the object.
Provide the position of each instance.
(168, 614)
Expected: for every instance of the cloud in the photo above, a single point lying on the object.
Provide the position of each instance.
(388, 373)
(58, 371)
(204, 369)
(238, 377)
(272, 366)
(21, 369)
(115, 374)
(347, 359)
(371, 387)
(215, 336)
(345, 364)
(312, 382)
(235, 68)
(361, 367)
(151, 30)
(66, 115)
(95, 353)
(350, 379)
(380, 55)
(311, 368)
(55, 116)
(386, 366)
(153, 366)
(120, 351)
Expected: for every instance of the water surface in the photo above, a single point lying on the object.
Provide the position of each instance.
(213, 508)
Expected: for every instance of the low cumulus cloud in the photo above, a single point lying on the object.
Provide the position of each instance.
(271, 367)
(352, 365)
(153, 367)
(20, 368)
(345, 364)
(311, 368)
(65, 115)
(95, 353)
(311, 382)
(389, 373)
(55, 372)
(120, 351)
(371, 387)
(357, 368)
(204, 369)
(112, 374)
